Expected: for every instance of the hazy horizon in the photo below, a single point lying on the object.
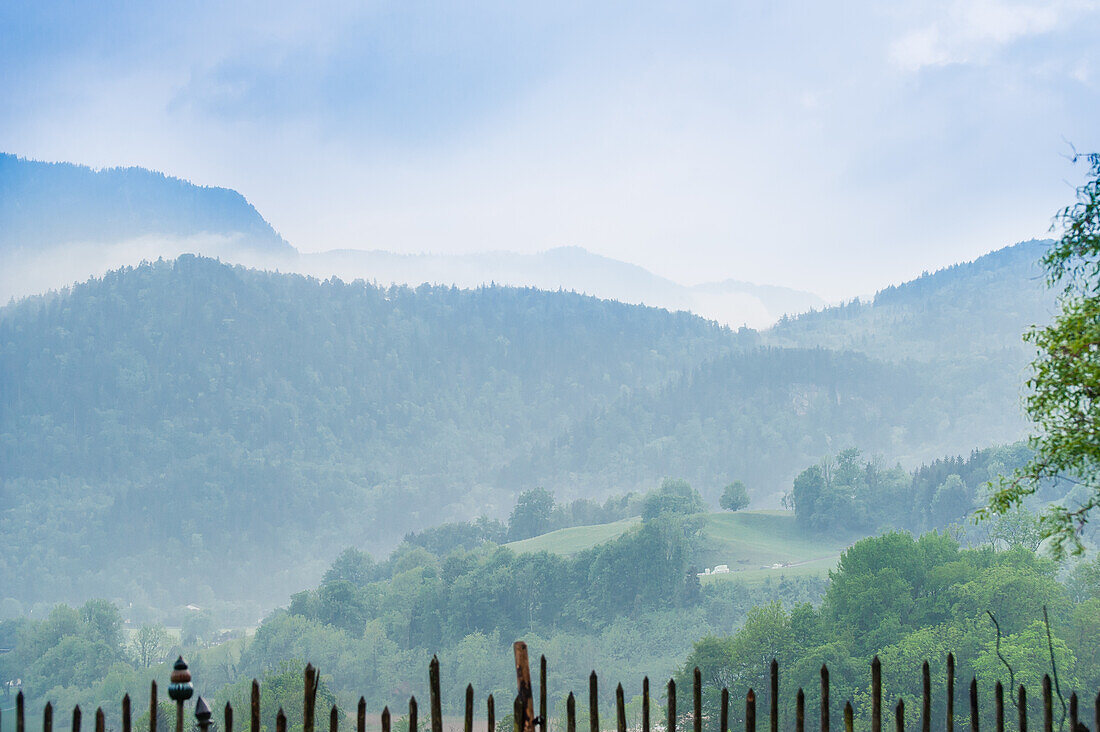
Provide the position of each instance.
(823, 150)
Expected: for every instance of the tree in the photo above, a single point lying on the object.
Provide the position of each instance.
(103, 622)
(531, 516)
(713, 656)
(1018, 527)
(1064, 403)
(197, 627)
(351, 566)
(149, 644)
(734, 497)
(951, 502)
(675, 496)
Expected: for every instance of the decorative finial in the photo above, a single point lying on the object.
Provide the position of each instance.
(202, 713)
(181, 687)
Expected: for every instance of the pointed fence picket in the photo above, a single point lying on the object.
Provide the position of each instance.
(526, 721)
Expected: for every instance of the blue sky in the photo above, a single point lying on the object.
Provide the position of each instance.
(835, 147)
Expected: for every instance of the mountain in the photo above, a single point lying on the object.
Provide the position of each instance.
(218, 411)
(930, 367)
(61, 223)
(731, 302)
(966, 310)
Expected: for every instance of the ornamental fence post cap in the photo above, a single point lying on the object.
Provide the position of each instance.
(180, 689)
(202, 711)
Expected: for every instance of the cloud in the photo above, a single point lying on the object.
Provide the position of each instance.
(972, 31)
(768, 141)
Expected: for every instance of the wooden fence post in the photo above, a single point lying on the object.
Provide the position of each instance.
(750, 711)
(671, 725)
(1021, 708)
(824, 698)
(47, 718)
(645, 704)
(950, 692)
(180, 689)
(1048, 705)
(973, 704)
(799, 711)
(468, 715)
(999, 706)
(620, 709)
(126, 713)
(543, 713)
(254, 722)
(309, 698)
(153, 707)
(76, 718)
(593, 703)
(697, 700)
(525, 720)
(926, 698)
(899, 716)
(773, 701)
(876, 695)
(203, 714)
(435, 704)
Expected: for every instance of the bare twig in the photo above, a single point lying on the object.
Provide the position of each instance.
(1011, 673)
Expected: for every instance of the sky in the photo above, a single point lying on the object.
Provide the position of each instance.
(832, 147)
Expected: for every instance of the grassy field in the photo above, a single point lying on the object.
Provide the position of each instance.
(750, 542)
(575, 539)
(759, 539)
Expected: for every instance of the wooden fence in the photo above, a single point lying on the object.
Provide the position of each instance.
(525, 719)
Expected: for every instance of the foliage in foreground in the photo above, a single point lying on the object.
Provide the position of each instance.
(1064, 403)
(909, 600)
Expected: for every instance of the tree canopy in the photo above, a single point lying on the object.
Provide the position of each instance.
(734, 496)
(1064, 398)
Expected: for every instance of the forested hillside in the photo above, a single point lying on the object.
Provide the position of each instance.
(758, 416)
(930, 367)
(62, 223)
(974, 309)
(214, 410)
(117, 204)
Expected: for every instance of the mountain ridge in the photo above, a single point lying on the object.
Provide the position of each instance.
(122, 216)
(237, 401)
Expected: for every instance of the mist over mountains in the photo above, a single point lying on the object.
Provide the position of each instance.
(62, 223)
(730, 302)
(218, 410)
